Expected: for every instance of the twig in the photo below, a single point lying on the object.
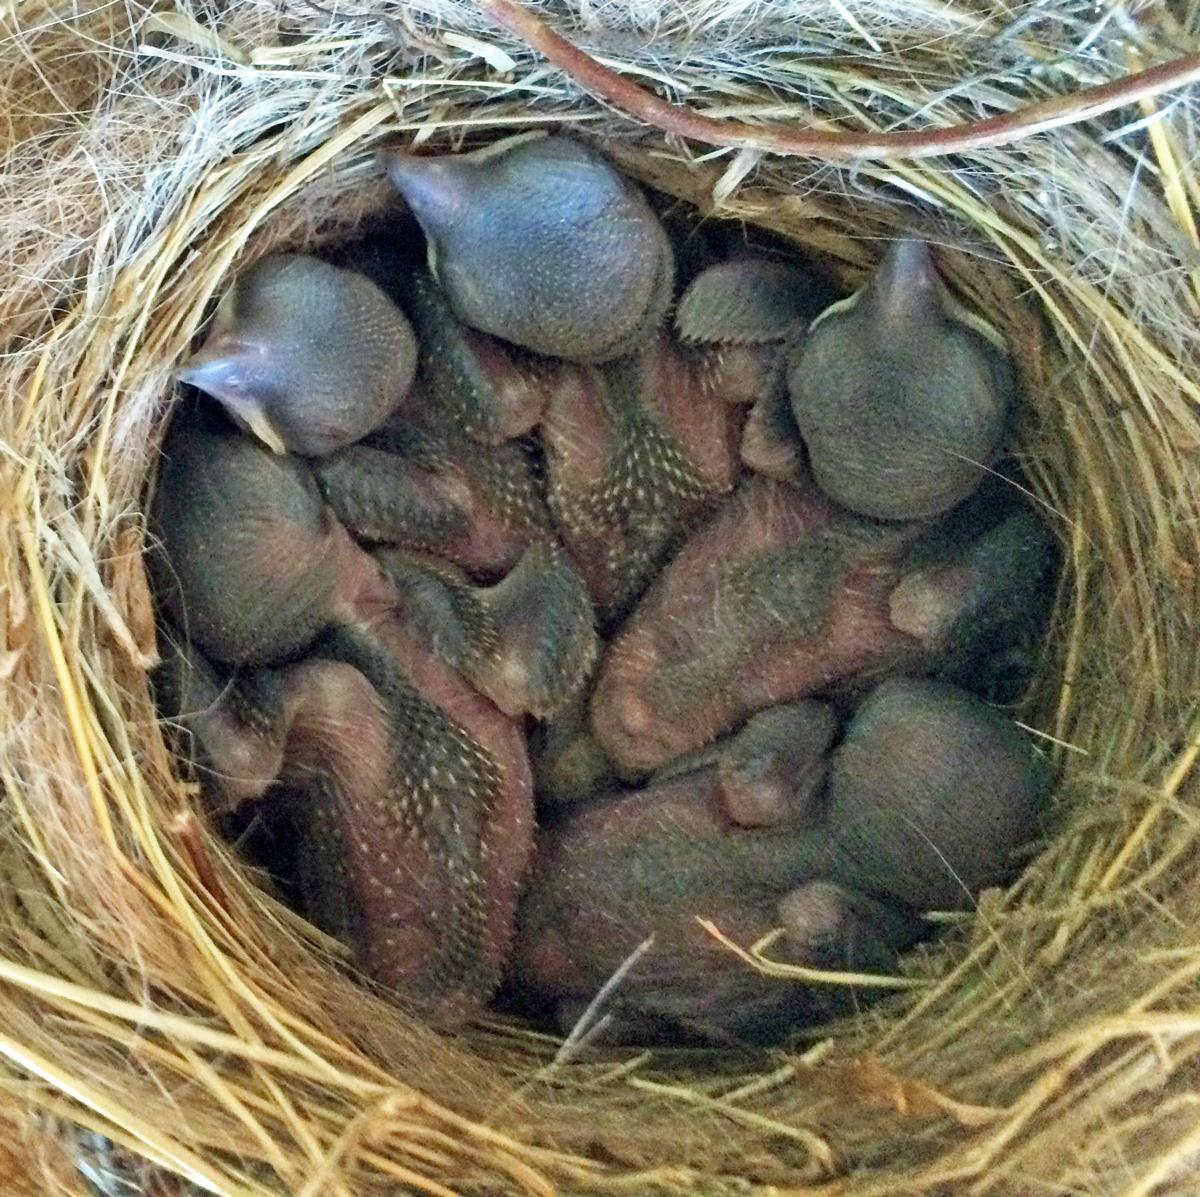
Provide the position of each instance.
(585, 1026)
(800, 972)
(831, 146)
(825, 1155)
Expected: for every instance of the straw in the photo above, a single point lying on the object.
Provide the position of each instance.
(165, 1023)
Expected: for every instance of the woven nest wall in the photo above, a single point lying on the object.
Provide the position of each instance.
(165, 1025)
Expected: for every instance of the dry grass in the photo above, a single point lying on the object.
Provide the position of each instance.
(151, 994)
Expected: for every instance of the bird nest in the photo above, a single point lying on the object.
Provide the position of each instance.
(166, 1025)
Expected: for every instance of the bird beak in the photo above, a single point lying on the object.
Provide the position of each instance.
(437, 190)
(906, 289)
(213, 375)
(249, 413)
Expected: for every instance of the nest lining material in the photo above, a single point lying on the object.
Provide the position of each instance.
(152, 995)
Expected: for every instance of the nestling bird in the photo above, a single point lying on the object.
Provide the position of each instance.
(779, 596)
(479, 384)
(773, 769)
(901, 396)
(737, 321)
(434, 843)
(249, 562)
(930, 796)
(539, 241)
(749, 299)
(977, 591)
(411, 841)
(306, 355)
(651, 863)
(635, 454)
(432, 797)
(783, 595)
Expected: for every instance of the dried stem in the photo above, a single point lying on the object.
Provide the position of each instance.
(643, 105)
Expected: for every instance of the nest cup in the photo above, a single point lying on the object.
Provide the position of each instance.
(167, 1026)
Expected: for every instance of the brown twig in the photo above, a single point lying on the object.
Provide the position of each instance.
(830, 146)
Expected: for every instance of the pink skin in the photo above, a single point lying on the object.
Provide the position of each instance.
(740, 374)
(691, 664)
(493, 542)
(506, 831)
(589, 905)
(437, 502)
(519, 390)
(635, 454)
(576, 433)
(693, 399)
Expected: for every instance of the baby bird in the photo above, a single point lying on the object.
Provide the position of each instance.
(539, 241)
(434, 784)
(631, 866)
(635, 453)
(773, 770)
(930, 796)
(249, 563)
(417, 870)
(783, 595)
(420, 813)
(780, 595)
(306, 355)
(901, 396)
(977, 591)
(640, 450)
(737, 320)
(487, 389)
